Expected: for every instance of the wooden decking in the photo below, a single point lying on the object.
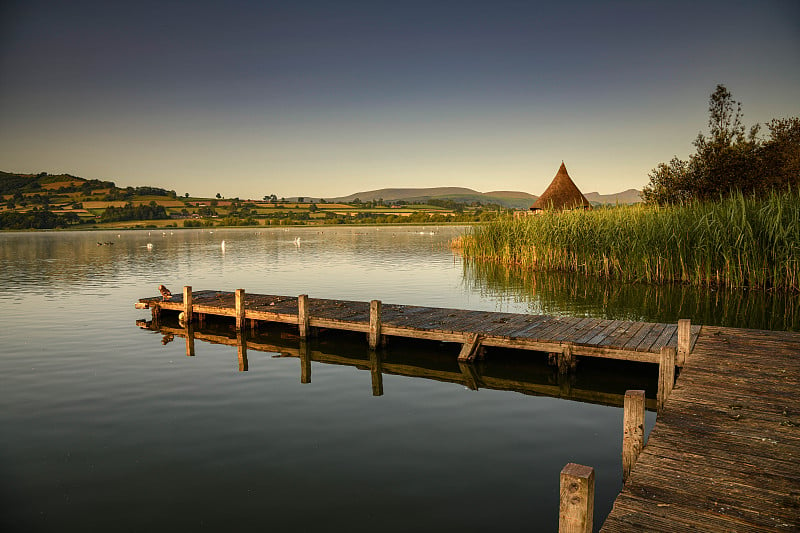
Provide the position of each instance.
(725, 451)
(617, 339)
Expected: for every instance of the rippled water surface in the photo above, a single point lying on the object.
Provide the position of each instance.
(106, 426)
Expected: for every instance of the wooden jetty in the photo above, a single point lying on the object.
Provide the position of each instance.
(565, 336)
(724, 454)
(725, 451)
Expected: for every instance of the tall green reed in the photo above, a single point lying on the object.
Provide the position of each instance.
(737, 241)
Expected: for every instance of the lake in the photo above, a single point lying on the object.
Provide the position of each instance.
(110, 426)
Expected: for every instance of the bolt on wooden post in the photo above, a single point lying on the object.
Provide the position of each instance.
(576, 509)
(240, 311)
(632, 430)
(666, 374)
(374, 324)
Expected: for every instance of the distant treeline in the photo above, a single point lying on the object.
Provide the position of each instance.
(36, 219)
(151, 211)
(730, 159)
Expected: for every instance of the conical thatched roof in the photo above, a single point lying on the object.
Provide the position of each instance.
(561, 194)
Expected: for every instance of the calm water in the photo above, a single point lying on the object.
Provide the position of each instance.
(107, 426)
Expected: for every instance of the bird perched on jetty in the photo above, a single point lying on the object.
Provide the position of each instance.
(165, 293)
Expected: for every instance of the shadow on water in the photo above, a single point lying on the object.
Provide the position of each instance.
(596, 381)
(554, 293)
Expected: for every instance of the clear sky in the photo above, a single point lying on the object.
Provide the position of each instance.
(327, 98)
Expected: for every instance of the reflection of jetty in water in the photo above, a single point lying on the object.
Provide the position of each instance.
(601, 382)
(559, 293)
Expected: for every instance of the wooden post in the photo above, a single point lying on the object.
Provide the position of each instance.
(566, 361)
(305, 362)
(189, 340)
(666, 374)
(156, 314)
(187, 304)
(684, 340)
(240, 310)
(576, 510)
(374, 324)
(632, 430)
(242, 351)
(470, 348)
(302, 315)
(376, 372)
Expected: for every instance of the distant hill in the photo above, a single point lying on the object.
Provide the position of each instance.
(631, 196)
(512, 199)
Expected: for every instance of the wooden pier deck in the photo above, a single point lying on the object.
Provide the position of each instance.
(591, 337)
(725, 451)
(724, 454)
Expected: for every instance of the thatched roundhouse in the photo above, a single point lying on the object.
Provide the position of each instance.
(561, 194)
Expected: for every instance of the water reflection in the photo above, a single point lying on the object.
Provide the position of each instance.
(597, 381)
(574, 295)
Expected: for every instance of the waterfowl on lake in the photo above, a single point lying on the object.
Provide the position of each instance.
(166, 294)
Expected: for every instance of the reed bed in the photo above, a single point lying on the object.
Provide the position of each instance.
(740, 241)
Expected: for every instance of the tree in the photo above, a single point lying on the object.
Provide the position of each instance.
(301, 199)
(730, 158)
(186, 195)
(219, 196)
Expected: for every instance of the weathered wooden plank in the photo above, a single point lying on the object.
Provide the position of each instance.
(638, 337)
(653, 335)
(470, 347)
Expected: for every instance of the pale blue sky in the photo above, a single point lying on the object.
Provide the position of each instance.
(329, 98)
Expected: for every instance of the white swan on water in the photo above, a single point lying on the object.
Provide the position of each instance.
(222, 245)
(297, 242)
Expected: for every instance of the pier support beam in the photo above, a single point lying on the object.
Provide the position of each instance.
(189, 339)
(376, 371)
(632, 430)
(684, 340)
(471, 347)
(374, 324)
(576, 509)
(302, 316)
(305, 362)
(187, 304)
(566, 361)
(666, 374)
(470, 376)
(240, 310)
(241, 348)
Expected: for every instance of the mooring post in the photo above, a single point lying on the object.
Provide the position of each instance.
(305, 362)
(632, 430)
(189, 340)
(240, 310)
(376, 371)
(576, 509)
(241, 348)
(666, 374)
(684, 340)
(187, 304)
(374, 324)
(302, 315)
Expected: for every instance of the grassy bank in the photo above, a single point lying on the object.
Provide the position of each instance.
(739, 241)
